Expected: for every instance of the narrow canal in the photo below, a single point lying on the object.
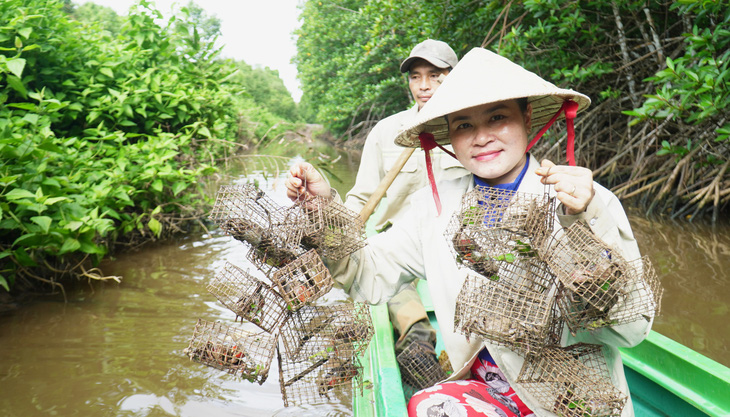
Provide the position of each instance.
(117, 349)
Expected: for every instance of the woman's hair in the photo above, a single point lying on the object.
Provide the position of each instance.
(522, 103)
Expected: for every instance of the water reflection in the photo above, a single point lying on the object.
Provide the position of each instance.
(693, 262)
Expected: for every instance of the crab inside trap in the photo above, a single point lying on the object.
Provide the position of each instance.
(319, 379)
(321, 347)
(303, 280)
(249, 215)
(499, 225)
(572, 381)
(598, 287)
(249, 298)
(332, 230)
(521, 317)
(341, 329)
(237, 351)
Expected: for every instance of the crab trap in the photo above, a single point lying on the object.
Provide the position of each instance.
(572, 381)
(249, 215)
(249, 298)
(499, 225)
(521, 317)
(319, 379)
(343, 329)
(232, 349)
(333, 230)
(273, 232)
(302, 280)
(419, 366)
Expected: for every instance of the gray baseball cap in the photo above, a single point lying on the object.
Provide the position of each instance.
(438, 53)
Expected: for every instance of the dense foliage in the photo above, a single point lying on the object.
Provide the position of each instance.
(657, 73)
(107, 128)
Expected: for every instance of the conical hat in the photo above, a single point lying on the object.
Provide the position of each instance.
(483, 77)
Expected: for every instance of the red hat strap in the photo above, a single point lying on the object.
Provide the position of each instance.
(570, 108)
(428, 142)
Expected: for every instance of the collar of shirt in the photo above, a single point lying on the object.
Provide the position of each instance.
(512, 186)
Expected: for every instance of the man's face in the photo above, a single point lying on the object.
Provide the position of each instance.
(423, 80)
(490, 140)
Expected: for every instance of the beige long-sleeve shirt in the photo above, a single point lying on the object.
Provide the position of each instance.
(416, 247)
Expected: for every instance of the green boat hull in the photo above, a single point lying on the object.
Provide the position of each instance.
(665, 378)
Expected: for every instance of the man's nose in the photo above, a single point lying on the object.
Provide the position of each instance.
(425, 84)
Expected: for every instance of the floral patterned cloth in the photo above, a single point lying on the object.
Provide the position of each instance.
(488, 394)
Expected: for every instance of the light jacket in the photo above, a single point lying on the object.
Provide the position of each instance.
(416, 247)
(378, 156)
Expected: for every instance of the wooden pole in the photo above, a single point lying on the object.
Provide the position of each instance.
(385, 183)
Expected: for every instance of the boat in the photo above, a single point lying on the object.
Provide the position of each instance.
(665, 378)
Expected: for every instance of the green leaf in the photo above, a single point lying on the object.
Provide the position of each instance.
(157, 185)
(23, 258)
(204, 131)
(18, 193)
(25, 32)
(16, 66)
(107, 71)
(179, 187)
(43, 221)
(4, 283)
(16, 84)
(155, 226)
(69, 245)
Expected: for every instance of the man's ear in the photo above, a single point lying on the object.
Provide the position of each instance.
(528, 117)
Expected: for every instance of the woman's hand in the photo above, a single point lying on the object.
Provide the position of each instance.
(573, 185)
(305, 182)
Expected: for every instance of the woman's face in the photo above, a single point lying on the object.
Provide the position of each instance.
(491, 140)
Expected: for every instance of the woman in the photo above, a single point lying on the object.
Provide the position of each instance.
(486, 109)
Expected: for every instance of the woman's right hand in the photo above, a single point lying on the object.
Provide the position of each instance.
(305, 182)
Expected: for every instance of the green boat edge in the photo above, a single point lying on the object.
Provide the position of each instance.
(665, 377)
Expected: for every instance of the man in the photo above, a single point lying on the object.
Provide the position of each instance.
(427, 63)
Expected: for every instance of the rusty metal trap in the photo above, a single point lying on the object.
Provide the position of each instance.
(594, 279)
(249, 298)
(333, 230)
(499, 225)
(273, 232)
(572, 381)
(237, 351)
(319, 379)
(521, 317)
(341, 330)
(302, 280)
(249, 215)
(419, 366)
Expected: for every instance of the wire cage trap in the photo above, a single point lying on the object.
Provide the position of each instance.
(594, 278)
(494, 225)
(588, 267)
(318, 379)
(342, 329)
(572, 381)
(332, 230)
(303, 280)
(521, 317)
(232, 349)
(645, 297)
(419, 366)
(247, 213)
(249, 298)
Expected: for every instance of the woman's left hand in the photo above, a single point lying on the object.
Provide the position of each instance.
(573, 185)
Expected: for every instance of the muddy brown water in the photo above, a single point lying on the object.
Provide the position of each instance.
(117, 349)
